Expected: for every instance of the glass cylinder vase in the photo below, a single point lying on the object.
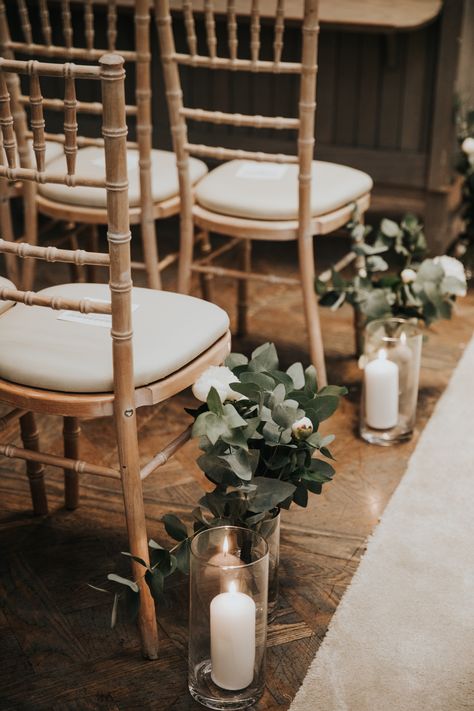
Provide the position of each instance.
(391, 361)
(228, 617)
(270, 530)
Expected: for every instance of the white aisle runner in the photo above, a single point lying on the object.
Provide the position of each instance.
(402, 638)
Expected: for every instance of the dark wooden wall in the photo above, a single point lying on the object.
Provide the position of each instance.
(386, 103)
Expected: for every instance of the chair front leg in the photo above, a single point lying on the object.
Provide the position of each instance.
(136, 526)
(71, 437)
(35, 470)
(245, 248)
(311, 310)
(206, 279)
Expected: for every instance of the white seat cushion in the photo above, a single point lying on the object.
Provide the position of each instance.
(6, 284)
(53, 150)
(91, 162)
(269, 191)
(41, 349)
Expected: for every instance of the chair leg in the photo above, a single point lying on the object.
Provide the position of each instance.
(11, 261)
(150, 252)
(31, 233)
(243, 287)
(186, 236)
(71, 437)
(313, 325)
(206, 279)
(35, 470)
(136, 527)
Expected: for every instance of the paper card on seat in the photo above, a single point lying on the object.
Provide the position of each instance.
(261, 171)
(101, 320)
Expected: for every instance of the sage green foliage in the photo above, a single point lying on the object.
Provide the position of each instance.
(379, 291)
(465, 166)
(251, 456)
(249, 451)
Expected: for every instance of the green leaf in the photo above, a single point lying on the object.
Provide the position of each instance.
(249, 390)
(286, 413)
(264, 358)
(135, 558)
(155, 581)
(164, 560)
(269, 493)
(233, 360)
(300, 496)
(174, 527)
(113, 616)
(310, 379)
(214, 402)
(232, 417)
(296, 373)
(262, 380)
(132, 604)
(375, 263)
(324, 406)
(182, 557)
(277, 396)
(123, 581)
(326, 453)
(315, 487)
(389, 228)
(337, 390)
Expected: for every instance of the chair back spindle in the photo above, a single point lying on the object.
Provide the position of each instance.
(72, 47)
(114, 131)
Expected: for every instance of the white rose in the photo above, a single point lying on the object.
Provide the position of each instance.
(219, 377)
(467, 146)
(302, 428)
(452, 268)
(408, 275)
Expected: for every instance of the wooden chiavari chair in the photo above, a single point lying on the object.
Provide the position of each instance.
(154, 190)
(299, 198)
(54, 360)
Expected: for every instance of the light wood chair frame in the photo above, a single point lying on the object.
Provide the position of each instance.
(243, 231)
(123, 402)
(148, 211)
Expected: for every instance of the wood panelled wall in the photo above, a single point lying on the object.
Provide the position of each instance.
(378, 94)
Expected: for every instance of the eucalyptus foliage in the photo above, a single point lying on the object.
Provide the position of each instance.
(397, 280)
(464, 248)
(254, 452)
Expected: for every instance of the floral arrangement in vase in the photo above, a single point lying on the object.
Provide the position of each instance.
(397, 279)
(261, 452)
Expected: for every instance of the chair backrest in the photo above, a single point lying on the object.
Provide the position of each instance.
(74, 40)
(82, 44)
(110, 72)
(306, 68)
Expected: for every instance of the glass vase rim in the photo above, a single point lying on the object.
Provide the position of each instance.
(415, 328)
(248, 531)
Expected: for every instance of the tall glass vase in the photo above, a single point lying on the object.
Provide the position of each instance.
(392, 357)
(228, 617)
(270, 530)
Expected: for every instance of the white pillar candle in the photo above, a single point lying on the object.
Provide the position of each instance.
(381, 392)
(232, 639)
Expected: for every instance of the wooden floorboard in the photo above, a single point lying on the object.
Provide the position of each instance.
(56, 649)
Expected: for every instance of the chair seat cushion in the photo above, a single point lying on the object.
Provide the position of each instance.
(269, 191)
(91, 162)
(72, 352)
(6, 284)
